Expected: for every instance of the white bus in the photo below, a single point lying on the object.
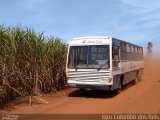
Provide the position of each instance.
(103, 63)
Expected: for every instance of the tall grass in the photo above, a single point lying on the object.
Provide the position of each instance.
(29, 63)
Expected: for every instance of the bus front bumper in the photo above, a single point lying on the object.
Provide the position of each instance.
(88, 85)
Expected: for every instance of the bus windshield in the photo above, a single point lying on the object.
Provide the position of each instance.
(92, 56)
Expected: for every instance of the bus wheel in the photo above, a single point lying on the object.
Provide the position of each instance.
(135, 80)
(119, 89)
(138, 78)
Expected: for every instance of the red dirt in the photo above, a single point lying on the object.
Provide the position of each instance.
(143, 97)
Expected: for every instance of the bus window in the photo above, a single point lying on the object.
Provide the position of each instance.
(136, 51)
(128, 48)
(132, 49)
(115, 52)
(123, 47)
(115, 56)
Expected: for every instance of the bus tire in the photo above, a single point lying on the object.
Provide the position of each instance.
(136, 79)
(119, 89)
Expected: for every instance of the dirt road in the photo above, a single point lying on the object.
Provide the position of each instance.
(143, 97)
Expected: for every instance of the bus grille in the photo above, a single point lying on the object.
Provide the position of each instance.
(89, 76)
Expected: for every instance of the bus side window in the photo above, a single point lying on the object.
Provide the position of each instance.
(115, 56)
(115, 52)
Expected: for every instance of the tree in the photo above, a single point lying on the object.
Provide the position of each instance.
(149, 48)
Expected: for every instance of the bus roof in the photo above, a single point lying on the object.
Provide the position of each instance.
(90, 37)
(100, 37)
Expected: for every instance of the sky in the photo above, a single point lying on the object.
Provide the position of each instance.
(136, 21)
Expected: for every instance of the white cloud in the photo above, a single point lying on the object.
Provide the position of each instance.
(143, 10)
(138, 20)
(142, 6)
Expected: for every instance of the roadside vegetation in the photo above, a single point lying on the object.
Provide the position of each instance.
(29, 63)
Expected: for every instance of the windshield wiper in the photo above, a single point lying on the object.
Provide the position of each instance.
(101, 66)
(76, 67)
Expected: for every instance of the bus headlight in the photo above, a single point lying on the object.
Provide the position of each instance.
(103, 80)
(106, 80)
(71, 78)
(110, 80)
